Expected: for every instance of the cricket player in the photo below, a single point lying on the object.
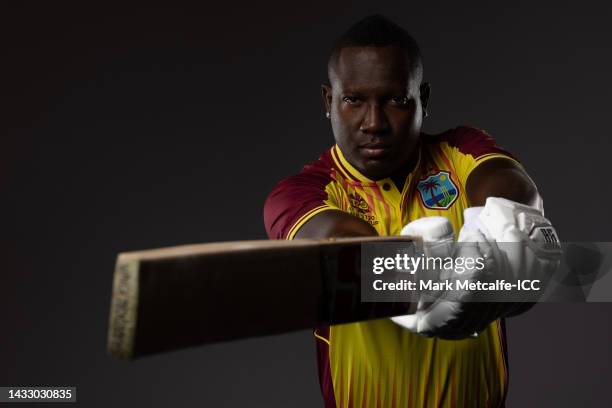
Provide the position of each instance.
(381, 174)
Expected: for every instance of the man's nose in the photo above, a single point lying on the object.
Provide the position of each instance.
(375, 120)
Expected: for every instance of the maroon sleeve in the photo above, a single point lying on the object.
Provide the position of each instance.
(295, 197)
(473, 141)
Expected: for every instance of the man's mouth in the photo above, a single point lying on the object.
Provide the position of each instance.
(375, 150)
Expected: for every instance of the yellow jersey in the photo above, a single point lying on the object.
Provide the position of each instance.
(378, 363)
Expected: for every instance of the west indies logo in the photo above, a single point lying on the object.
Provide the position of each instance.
(438, 191)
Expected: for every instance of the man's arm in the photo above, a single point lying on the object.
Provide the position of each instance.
(506, 179)
(335, 224)
(501, 178)
(338, 224)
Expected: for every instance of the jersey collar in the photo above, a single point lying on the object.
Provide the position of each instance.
(351, 173)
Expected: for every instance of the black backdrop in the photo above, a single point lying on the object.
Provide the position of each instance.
(126, 128)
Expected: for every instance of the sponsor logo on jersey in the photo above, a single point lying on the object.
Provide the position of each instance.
(438, 191)
(361, 208)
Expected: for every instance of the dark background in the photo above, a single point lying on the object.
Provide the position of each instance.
(126, 128)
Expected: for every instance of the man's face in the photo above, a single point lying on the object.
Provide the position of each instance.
(376, 109)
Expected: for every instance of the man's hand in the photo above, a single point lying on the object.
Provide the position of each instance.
(437, 316)
(526, 244)
(515, 240)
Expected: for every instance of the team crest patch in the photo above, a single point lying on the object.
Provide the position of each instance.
(438, 192)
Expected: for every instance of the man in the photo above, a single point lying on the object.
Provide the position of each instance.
(381, 174)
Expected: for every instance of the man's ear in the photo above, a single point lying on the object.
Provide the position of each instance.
(326, 93)
(425, 91)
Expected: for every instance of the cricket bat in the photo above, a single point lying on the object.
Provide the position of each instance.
(172, 298)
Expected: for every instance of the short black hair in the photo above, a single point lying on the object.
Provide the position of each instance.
(378, 31)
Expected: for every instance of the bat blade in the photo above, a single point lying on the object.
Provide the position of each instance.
(172, 298)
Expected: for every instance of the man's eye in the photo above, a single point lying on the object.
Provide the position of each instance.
(350, 99)
(400, 100)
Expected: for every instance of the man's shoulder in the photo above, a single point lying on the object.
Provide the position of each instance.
(463, 137)
(466, 140)
(296, 198)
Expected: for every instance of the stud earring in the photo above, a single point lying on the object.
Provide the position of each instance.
(327, 115)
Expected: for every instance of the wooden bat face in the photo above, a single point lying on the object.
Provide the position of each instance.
(172, 298)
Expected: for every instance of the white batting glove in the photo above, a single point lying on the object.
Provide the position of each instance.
(437, 316)
(528, 243)
(528, 249)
